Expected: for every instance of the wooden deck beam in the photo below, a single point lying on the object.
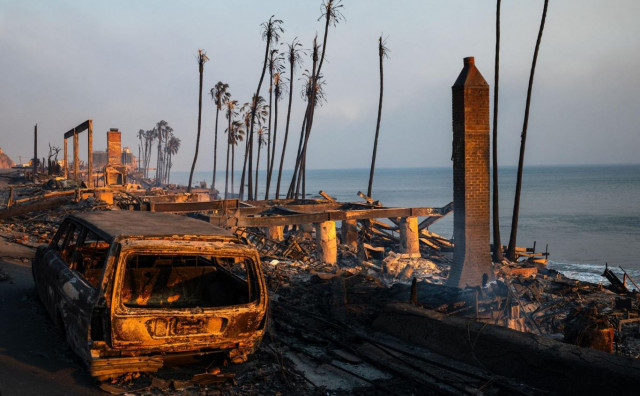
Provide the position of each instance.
(329, 215)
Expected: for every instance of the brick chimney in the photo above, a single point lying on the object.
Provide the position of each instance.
(471, 256)
(114, 147)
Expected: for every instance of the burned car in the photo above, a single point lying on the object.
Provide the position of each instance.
(131, 289)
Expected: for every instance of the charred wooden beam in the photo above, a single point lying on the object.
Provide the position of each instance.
(432, 219)
(329, 215)
(80, 128)
(228, 204)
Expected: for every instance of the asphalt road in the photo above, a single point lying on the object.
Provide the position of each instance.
(34, 359)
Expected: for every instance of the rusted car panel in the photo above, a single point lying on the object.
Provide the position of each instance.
(128, 295)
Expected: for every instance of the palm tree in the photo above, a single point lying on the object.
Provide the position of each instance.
(140, 160)
(202, 59)
(511, 252)
(307, 94)
(262, 139)
(278, 88)
(167, 134)
(295, 58)
(251, 116)
(173, 145)
(383, 52)
(497, 244)
(274, 68)
(219, 95)
(160, 134)
(236, 138)
(230, 111)
(150, 136)
(271, 31)
(332, 15)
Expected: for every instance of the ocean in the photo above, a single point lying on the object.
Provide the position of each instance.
(588, 215)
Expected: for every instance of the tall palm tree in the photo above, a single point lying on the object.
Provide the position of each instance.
(256, 111)
(140, 160)
(295, 58)
(511, 252)
(160, 134)
(167, 134)
(497, 244)
(237, 134)
(173, 145)
(230, 110)
(262, 133)
(202, 59)
(383, 52)
(278, 87)
(307, 94)
(332, 14)
(271, 31)
(150, 136)
(219, 95)
(274, 69)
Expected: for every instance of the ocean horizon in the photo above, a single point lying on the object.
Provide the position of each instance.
(587, 214)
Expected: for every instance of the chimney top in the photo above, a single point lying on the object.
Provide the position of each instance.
(469, 60)
(116, 129)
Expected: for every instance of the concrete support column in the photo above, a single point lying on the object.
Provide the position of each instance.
(275, 232)
(327, 249)
(409, 242)
(349, 233)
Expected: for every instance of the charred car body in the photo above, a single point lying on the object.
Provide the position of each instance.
(131, 289)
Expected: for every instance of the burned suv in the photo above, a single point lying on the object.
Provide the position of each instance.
(131, 289)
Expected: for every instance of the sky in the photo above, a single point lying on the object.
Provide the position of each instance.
(129, 64)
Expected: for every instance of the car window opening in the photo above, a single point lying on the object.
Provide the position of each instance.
(187, 281)
(89, 257)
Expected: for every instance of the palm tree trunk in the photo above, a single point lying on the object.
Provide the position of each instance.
(226, 179)
(296, 167)
(233, 161)
(286, 132)
(169, 169)
(375, 143)
(215, 152)
(244, 166)
(159, 158)
(253, 116)
(511, 252)
(195, 157)
(255, 195)
(269, 129)
(497, 244)
(273, 154)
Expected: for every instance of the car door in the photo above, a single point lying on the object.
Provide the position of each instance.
(73, 297)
